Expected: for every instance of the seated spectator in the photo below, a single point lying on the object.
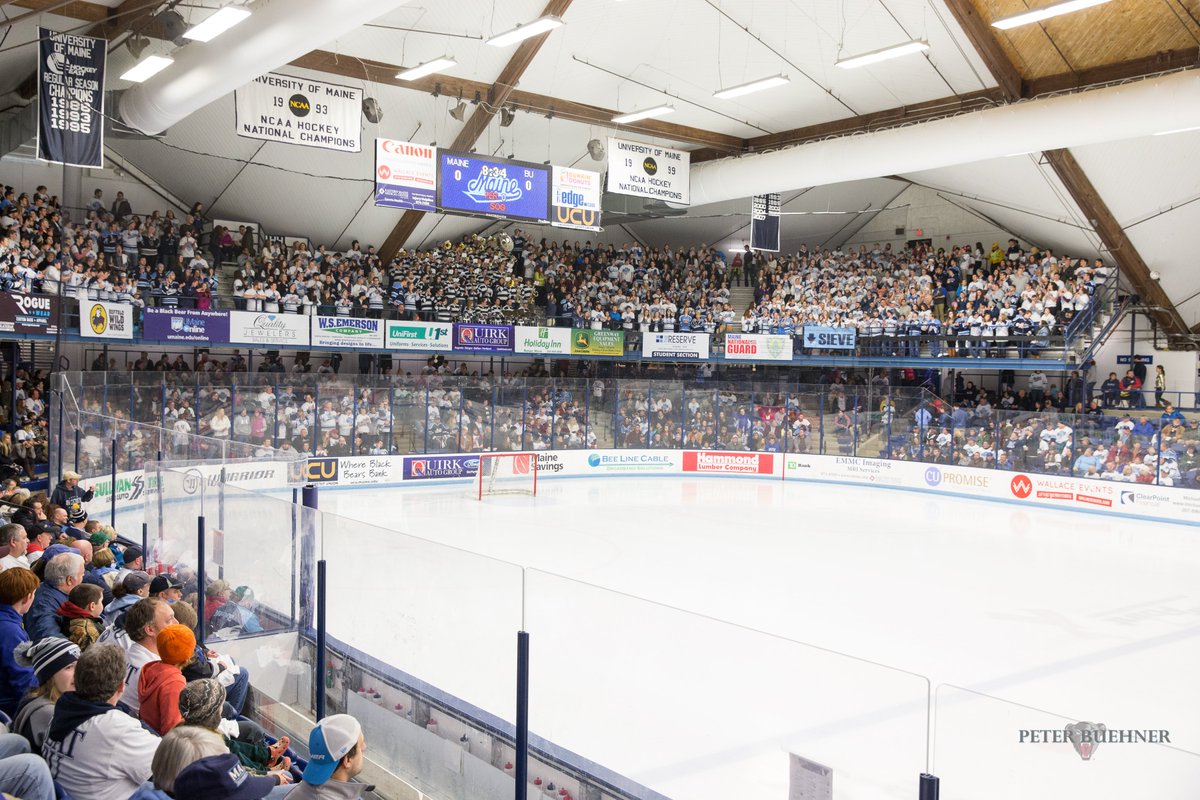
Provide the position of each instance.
(207, 664)
(139, 641)
(17, 590)
(16, 539)
(80, 615)
(53, 663)
(95, 750)
(134, 587)
(201, 703)
(220, 778)
(179, 749)
(336, 754)
(63, 572)
(162, 680)
(23, 775)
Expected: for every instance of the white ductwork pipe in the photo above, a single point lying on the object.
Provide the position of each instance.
(1167, 103)
(277, 32)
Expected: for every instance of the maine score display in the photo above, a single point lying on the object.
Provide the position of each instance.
(494, 187)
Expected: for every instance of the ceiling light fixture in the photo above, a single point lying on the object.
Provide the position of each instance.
(1039, 14)
(150, 65)
(428, 68)
(645, 113)
(751, 87)
(875, 56)
(1177, 130)
(522, 32)
(216, 24)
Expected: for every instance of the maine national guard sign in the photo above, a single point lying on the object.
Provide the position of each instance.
(280, 108)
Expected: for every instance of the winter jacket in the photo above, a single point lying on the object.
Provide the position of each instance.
(113, 615)
(33, 721)
(97, 580)
(41, 621)
(96, 751)
(147, 792)
(77, 625)
(15, 680)
(72, 498)
(158, 696)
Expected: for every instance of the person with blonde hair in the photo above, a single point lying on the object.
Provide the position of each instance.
(179, 749)
(53, 663)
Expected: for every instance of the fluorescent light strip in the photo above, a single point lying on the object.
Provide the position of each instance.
(523, 32)
(645, 113)
(150, 65)
(428, 68)
(1177, 130)
(753, 86)
(1039, 14)
(216, 24)
(875, 56)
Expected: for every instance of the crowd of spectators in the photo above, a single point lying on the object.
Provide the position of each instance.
(25, 431)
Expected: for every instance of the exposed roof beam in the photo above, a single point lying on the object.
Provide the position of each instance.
(1113, 236)
(75, 9)
(498, 95)
(979, 31)
(452, 86)
(1165, 61)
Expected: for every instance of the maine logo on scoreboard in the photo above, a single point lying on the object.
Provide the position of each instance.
(575, 197)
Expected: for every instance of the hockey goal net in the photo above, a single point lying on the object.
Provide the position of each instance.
(507, 473)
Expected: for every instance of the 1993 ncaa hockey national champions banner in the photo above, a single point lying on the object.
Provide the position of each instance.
(281, 108)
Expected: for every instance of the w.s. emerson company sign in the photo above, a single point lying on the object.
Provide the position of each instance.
(355, 332)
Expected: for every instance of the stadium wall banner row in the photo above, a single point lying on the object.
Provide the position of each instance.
(104, 320)
(28, 313)
(134, 487)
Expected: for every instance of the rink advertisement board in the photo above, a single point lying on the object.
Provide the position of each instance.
(822, 338)
(28, 313)
(185, 325)
(541, 341)
(728, 462)
(434, 467)
(104, 320)
(290, 110)
(586, 342)
(405, 175)
(400, 335)
(757, 347)
(349, 332)
(250, 327)
(474, 338)
(678, 346)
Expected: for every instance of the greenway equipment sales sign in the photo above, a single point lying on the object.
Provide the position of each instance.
(646, 170)
(280, 108)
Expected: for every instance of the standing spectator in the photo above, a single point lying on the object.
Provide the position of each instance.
(70, 494)
(53, 664)
(95, 750)
(17, 587)
(1139, 372)
(121, 208)
(1037, 386)
(1160, 386)
(336, 747)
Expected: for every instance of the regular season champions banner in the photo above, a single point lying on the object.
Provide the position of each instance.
(646, 170)
(71, 99)
(405, 175)
(764, 222)
(280, 108)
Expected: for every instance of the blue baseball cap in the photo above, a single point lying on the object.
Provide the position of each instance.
(328, 744)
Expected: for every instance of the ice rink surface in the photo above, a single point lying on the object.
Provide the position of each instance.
(1075, 615)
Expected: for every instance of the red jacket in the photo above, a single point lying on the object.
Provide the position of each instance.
(158, 692)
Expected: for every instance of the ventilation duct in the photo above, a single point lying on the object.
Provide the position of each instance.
(1127, 111)
(279, 31)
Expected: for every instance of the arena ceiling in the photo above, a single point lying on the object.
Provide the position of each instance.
(1132, 200)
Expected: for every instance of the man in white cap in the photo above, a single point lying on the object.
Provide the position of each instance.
(336, 746)
(69, 494)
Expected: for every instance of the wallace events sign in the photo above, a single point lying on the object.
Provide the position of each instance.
(281, 108)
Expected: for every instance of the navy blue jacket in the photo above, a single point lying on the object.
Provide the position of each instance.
(42, 620)
(15, 680)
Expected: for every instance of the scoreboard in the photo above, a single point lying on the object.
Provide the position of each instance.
(493, 187)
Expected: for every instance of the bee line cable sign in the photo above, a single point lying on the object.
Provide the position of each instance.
(280, 108)
(647, 170)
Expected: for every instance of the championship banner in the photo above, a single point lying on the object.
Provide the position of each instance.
(101, 320)
(764, 222)
(280, 108)
(483, 338)
(28, 313)
(757, 347)
(405, 175)
(678, 346)
(419, 336)
(821, 338)
(542, 341)
(71, 98)
(646, 170)
(586, 342)
(250, 327)
(575, 197)
(185, 325)
(349, 332)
